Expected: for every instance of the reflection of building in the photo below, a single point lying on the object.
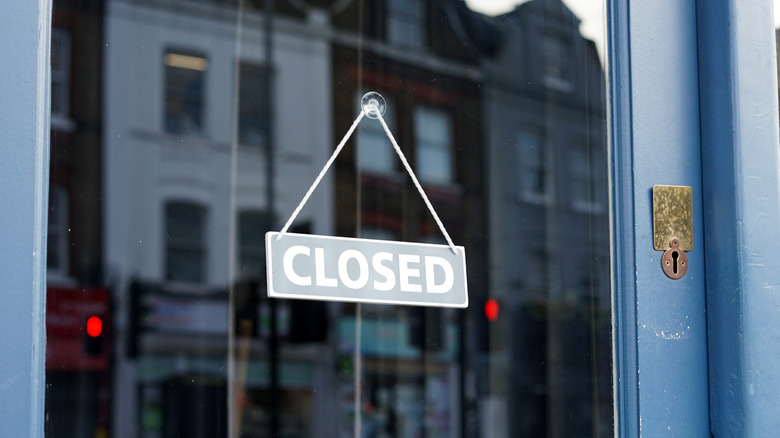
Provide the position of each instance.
(501, 119)
(174, 197)
(411, 53)
(549, 239)
(77, 366)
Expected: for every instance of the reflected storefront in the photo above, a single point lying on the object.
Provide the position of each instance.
(184, 130)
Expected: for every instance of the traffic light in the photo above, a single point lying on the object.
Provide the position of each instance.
(138, 315)
(308, 322)
(134, 325)
(491, 309)
(245, 308)
(484, 319)
(93, 335)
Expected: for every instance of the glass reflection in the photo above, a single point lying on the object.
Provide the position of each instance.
(179, 139)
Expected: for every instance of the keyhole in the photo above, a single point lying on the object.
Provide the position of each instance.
(674, 261)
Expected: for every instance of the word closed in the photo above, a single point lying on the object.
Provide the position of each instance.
(362, 270)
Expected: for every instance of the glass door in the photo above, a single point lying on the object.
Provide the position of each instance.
(183, 131)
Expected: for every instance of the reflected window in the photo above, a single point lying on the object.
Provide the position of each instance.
(586, 178)
(60, 76)
(375, 153)
(252, 104)
(557, 62)
(184, 89)
(57, 232)
(433, 128)
(377, 233)
(532, 167)
(536, 269)
(252, 226)
(437, 238)
(185, 242)
(406, 22)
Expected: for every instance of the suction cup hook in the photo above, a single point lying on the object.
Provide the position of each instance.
(373, 104)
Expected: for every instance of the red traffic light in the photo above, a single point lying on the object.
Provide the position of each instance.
(491, 309)
(94, 326)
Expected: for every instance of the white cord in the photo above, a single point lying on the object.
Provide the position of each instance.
(416, 183)
(321, 175)
(403, 160)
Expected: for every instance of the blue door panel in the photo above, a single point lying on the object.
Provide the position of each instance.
(741, 191)
(663, 136)
(24, 161)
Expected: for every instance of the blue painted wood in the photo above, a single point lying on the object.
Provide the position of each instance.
(655, 140)
(622, 187)
(740, 152)
(24, 169)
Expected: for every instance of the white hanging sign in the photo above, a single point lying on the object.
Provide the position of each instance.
(362, 270)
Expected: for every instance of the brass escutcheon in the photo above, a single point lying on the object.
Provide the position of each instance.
(674, 261)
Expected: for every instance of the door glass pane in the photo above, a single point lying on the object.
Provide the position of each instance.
(183, 130)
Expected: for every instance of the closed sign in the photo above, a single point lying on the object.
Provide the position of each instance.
(327, 268)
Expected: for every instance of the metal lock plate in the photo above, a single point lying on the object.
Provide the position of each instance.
(674, 261)
(672, 217)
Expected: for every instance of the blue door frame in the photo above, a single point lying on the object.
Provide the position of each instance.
(25, 28)
(693, 102)
(742, 219)
(660, 324)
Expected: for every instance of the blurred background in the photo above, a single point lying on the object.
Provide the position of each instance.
(183, 130)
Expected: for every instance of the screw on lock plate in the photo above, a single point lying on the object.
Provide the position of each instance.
(674, 261)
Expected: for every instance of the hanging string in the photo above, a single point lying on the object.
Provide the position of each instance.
(321, 175)
(375, 111)
(414, 180)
